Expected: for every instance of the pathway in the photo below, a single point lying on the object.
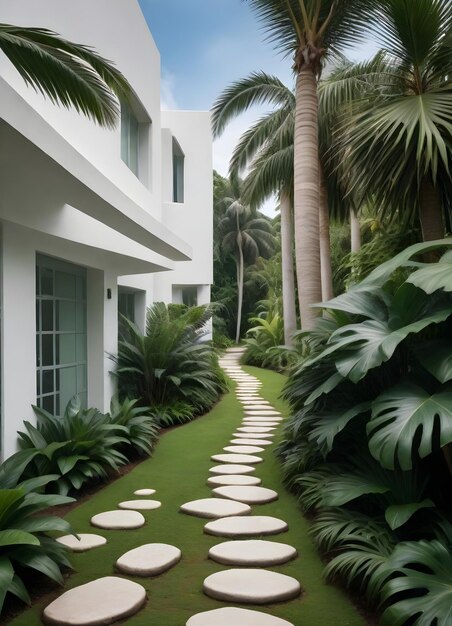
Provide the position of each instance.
(173, 569)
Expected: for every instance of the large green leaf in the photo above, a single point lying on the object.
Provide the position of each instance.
(31, 557)
(10, 499)
(14, 537)
(405, 420)
(434, 276)
(328, 426)
(422, 586)
(398, 514)
(18, 589)
(436, 357)
(6, 578)
(344, 488)
(370, 302)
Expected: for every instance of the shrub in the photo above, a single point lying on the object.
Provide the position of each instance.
(79, 446)
(170, 362)
(24, 543)
(141, 428)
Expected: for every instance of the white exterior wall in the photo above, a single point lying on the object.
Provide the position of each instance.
(67, 194)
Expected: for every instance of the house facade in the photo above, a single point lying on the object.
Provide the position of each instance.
(93, 221)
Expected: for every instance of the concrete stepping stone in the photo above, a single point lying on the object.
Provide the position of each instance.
(256, 429)
(240, 435)
(249, 495)
(264, 424)
(83, 542)
(215, 507)
(140, 505)
(243, 449)
(231, 615)
(262, 419)
(232, 468)
(254, 525)
(118, 520)
(150, 559)
(251, 586)
(251, 442)
(257, 404)
(236, 458)
(233, 479)
(252, 552)
(100, 601)
(264, 412)
(144, 492)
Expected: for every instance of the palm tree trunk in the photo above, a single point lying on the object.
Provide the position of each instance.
(240, 271)
(325, 243)
(430, 212)
(306, 209)
(355, 231)
(288, 279)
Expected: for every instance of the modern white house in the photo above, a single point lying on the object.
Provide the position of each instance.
(93, 221)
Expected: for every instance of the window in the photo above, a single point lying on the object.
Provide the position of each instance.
(190, 295)
(178, 173)
(129, 138)
(126, 308)
(61, 361)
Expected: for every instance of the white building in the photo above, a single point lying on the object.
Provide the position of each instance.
(92, 218)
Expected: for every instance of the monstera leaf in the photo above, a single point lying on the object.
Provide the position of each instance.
(423, 586)
(406, 419)
(328, 426)
(436, 357)
(434, 276)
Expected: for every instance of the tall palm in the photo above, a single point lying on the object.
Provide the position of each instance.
(69, 74)
(309, 29)
(246, 235)
(272, 139)
(399, 143)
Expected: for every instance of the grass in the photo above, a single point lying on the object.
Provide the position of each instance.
(178, 470)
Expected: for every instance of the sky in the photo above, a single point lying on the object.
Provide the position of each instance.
(204, 46)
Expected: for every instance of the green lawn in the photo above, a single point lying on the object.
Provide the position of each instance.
(178, 470)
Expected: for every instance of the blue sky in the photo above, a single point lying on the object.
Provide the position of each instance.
(204, 46)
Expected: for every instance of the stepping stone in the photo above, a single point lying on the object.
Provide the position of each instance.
(232, 468)
(246, 526)
(140, 505)
(233, 479)
(249, 495)
(256, 429)
(243, 449)
(240, 435)
(263, 418)
(118, 520)
(144, 492)
(264, 412)
(264, 424)
(251, 586)
(257, 404)
(101, 601)
(251, 442)
(231, 615)
(85, 541)
(252, 552)
(214, 507)
(236, 458)
(149, 560)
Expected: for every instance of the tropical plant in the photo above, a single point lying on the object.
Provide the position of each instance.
(246, 234)
(77, 447)
(141, 430)
(370, 433)
(397, 140)
(268, 332)
(309, 29)
(23, 537)
(170, 362)
(69, 74)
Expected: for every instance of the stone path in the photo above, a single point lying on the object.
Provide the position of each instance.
(246, 585)
(108, 599)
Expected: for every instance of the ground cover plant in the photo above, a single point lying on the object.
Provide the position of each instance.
(170, 367)
(368, 447)
(178, 470)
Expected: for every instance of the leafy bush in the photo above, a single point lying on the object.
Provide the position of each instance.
(173, 414)
(140, 426)
(24, 543)
(79, 446)
(368, 446)
(170, 362)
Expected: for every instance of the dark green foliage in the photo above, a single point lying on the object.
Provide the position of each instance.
(77, 447)
(141, 427)
(366, 447)
(23, 539)
(170, 362)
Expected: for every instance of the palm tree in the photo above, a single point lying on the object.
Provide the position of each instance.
(309, 29)
(246, 235)
(272, 139)
(69, 74)
(399, 143)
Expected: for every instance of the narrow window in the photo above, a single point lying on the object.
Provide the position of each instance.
(60, 334)
(178, 173)
(190, 295)
(126, 308)
(129, 138)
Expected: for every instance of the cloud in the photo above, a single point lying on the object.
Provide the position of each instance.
(167, 89)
